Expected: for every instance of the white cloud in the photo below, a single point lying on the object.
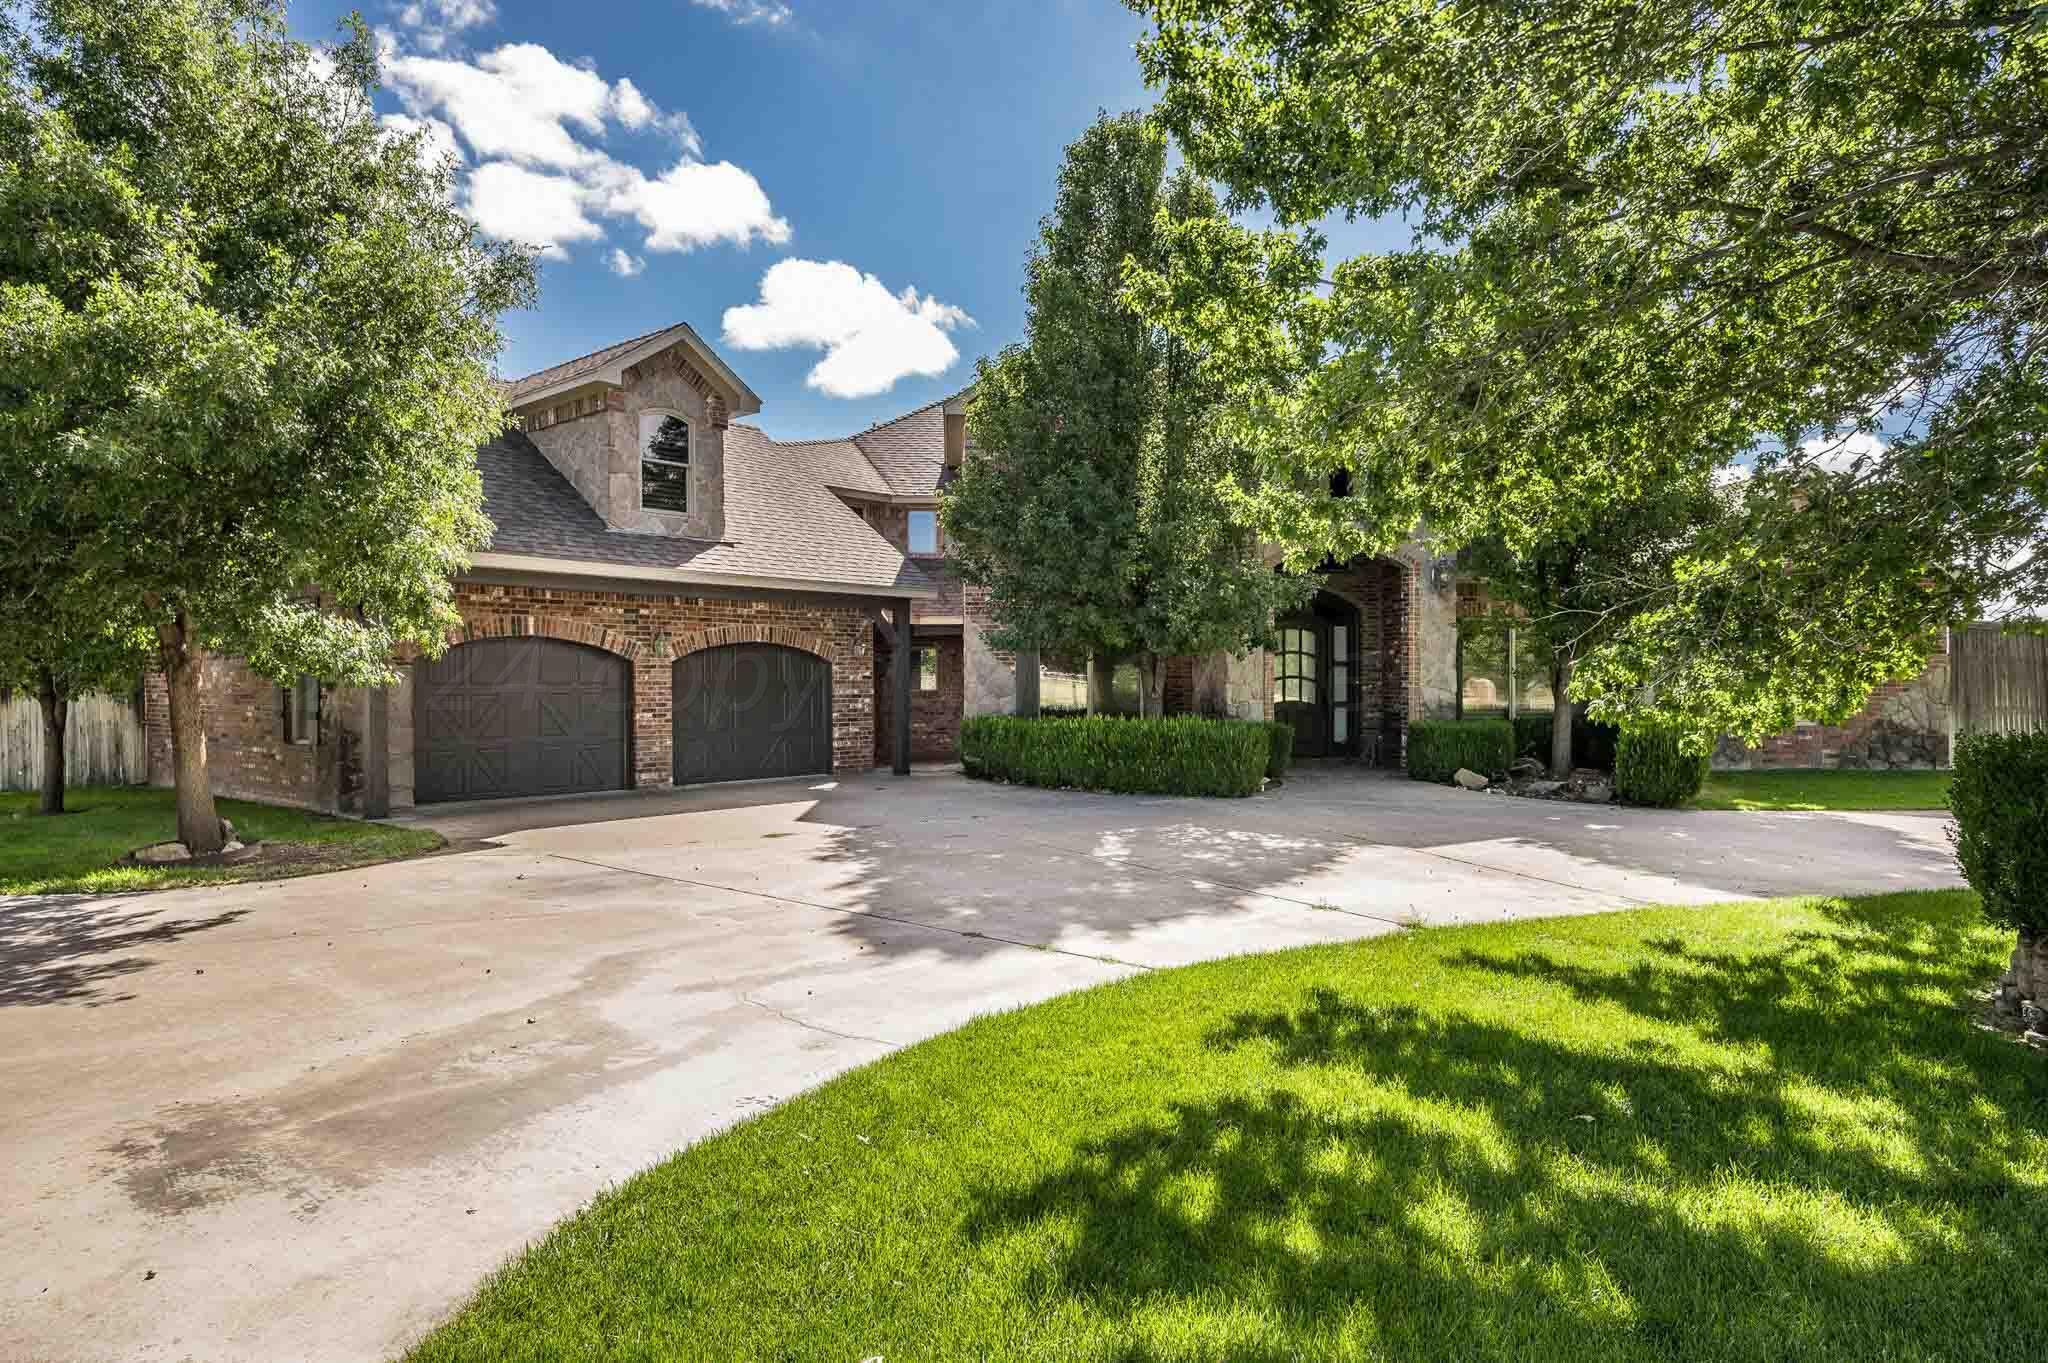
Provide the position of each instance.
(437, 139)
(516, 204)
(624, 264)
(434, 23)
(871, 337)
(773, 13)
(1840, 453)
(697, 204)
(520, 106)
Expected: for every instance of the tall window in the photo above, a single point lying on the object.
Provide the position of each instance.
(1295, 677)
(924, 532)
(927, 675)
(664, 462)
(301, 703)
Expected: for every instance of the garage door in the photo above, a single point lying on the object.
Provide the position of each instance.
(746, 711)
(503, 717)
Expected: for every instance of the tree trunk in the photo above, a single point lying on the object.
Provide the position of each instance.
(1152, 686)
(198, 822)
(56, 708)
(1560, 716)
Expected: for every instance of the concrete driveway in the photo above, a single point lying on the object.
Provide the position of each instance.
(300, 1120)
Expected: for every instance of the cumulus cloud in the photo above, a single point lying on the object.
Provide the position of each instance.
(623, 263)
(771, 13)
(1840, 453)
(519, 107)
(513, 203)
(435, 23)
(871, 337)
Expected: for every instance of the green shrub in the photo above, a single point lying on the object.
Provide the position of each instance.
(1280, 749)
(2000, 799)
(1438, 747)
(1184, 755)
(1592, 742)
(1653, 767)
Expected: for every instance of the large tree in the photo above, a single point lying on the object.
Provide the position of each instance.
(1101, 505)
(249, 333)
(1803, 243)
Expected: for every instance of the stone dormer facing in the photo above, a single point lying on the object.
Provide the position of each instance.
(639, 430)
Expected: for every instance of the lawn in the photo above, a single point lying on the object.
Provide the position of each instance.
(1762, 1131)
(80, 851)
(1824, 790)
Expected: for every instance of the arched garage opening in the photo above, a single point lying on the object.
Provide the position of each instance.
(530, 716)
(749, 711)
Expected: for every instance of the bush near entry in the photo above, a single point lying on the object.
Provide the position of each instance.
(2000, 799)
(1652, 767)
(1438, 747)
(1183, 755)
(1280, 752)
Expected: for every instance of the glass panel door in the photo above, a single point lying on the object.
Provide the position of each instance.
(1340, 686)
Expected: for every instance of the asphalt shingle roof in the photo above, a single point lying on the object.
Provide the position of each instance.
(781, 521)
(581, 365)
(909, 452)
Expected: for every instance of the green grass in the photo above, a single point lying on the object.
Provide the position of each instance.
(1824, 790)
(79, 852)
(1762, 1131)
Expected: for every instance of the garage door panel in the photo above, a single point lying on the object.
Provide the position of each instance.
(506, 717)
(748, 711)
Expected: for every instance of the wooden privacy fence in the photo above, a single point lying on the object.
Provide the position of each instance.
(102, 743)
(2000, 680)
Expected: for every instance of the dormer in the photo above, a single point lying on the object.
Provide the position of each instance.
(639, 429)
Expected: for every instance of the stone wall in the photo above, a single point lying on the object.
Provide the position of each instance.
(988, 684)
(1904, 724)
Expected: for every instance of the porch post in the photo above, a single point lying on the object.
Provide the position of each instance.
(900, 660)
(1027, 682)
(377, 754)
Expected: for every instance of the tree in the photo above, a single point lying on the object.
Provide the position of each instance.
(1803, 242)
(1573, 594)
(1099, 505)
(249, 333)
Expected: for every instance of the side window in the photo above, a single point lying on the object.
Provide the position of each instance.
(927, 660)
(664, 462)
(301, 705)
(924, 532)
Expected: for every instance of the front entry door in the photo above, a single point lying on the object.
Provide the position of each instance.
(1300, 680)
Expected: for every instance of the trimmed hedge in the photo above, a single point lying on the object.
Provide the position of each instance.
(1592, 742)
(1280, 749)
(2000, 799)
(1184, 755)
(1438, 747)
(1651, 767)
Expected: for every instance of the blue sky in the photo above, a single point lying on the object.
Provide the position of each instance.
(888, 160)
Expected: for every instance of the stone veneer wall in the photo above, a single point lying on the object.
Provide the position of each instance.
(1904, 724)
(988, 676)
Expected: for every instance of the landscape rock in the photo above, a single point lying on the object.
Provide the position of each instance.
(1470, 779)
(162, 853)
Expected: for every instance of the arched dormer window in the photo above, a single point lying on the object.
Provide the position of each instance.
(664, 462)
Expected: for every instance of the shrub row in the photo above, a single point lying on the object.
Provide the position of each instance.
(1592, 742)
(1183, 755)
(1652, 767)
(1280, 749)
(2000, 799)
(1438, 747)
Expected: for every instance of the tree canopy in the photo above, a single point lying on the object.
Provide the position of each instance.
(1802, 247)
(248, 331)
(1099, 504)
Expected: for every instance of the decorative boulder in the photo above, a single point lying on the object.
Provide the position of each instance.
(162, 853)
(1470, 779)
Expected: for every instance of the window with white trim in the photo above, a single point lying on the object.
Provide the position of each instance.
(924, 532)
(664, 462)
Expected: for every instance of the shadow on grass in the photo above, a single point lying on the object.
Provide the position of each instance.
(1806, 1154)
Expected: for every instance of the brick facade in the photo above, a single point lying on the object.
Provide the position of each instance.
(1905, 723)
(934, 715)
(244, 713)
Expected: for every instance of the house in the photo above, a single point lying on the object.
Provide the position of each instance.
(671, 597)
